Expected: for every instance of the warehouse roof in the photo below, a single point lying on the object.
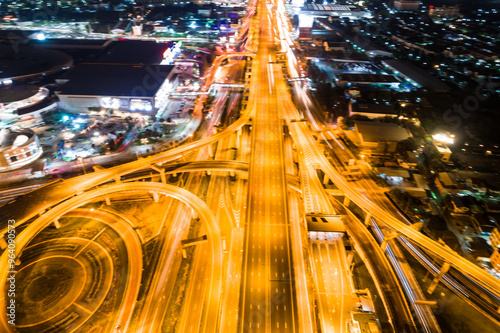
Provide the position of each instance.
(418, 75)
(373, 131)
(115, 80)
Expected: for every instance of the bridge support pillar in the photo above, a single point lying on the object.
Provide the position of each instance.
(3, 243)
(57, 224)
(438, 277)
(367, 219)
(108, 201)
(326, 179)
(387, 238)
(210, 150)
(156, 196)
(346, 201)
(238, 138)
(193, 214)
(18, 261)
(163, 178)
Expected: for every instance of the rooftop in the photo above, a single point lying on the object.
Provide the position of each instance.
(391, 172)
(8, 137)
(367, 78)
(14, 93)
(331, 7)
(373, 109)
(18, 61)
(418, 75)
(373, 131)
(133, 52)
(115, 80)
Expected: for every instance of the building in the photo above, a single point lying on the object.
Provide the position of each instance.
(21, 63)
(121, 87)
(364, 44)
(373, 111)
(406, 5)
(133, 52)
(444, 151)
(373, 81)
(407, 161)
(18, 148)
(444, 11)
(495, 239)
(495, 261)
(379, 139)
(311, 10)
(393, 174)
(415, 77)
(14, 99)
(334, 46)
(446, 181)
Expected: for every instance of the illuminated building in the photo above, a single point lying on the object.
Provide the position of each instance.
(18, 148)
(444, 11)
(120, 87)
(406, 5)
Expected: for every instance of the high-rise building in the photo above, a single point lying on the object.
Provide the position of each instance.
(406, 5)
(444, 11)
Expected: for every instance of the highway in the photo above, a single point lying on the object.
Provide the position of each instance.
(380, 270)
(212, 297)
(366, 185)
(468, 290)
(336, 298)
(268, 294)
(33, 203)
(273, 293)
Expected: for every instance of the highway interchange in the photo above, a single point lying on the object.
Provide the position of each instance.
(250, 276)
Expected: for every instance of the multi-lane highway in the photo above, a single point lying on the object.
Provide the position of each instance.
(272, 285)
(267, 301)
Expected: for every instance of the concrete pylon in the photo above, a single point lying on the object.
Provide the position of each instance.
(387, 238)
(57, 224)
(326, 179)
(156, 196)
(347, 201)
(367, 219)
(210, 150)
(162, 173)
(438, 277)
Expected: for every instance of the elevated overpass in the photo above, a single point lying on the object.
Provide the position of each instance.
(212, 296)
